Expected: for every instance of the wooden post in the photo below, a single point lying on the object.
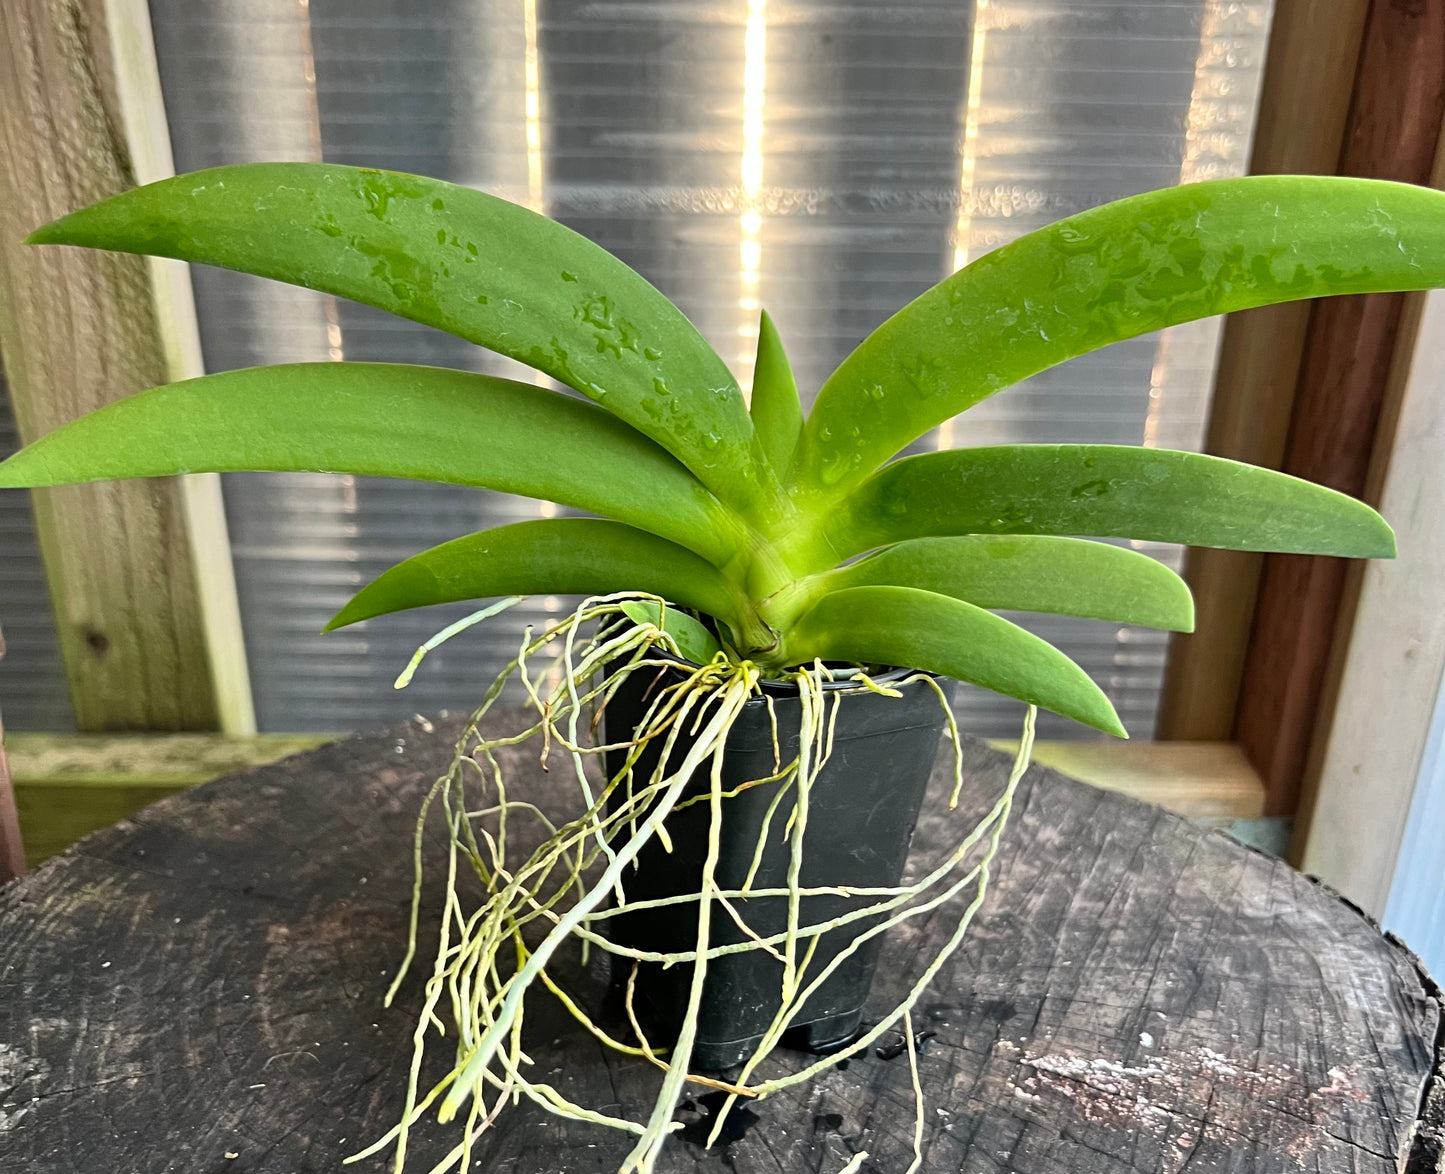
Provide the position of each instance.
(1303, 111)
(12, 851)
(1394, 132)
(139, 571)
(1353, 816)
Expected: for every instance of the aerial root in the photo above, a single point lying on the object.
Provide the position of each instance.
(493, 952)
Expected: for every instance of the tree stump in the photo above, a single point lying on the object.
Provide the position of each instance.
(199, 989)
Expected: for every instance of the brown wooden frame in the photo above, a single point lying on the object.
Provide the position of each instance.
(1301, 622)
(1311, 389)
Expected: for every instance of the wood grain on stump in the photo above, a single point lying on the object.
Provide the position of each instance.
(199, 989)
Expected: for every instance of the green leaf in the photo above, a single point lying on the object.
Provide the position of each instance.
(1105, 491)
(776, 410)
(465, 262)
(694, 641)
(387, 420)
(921, 630)
(1107, 274)
(1062, 576)
(558, 556)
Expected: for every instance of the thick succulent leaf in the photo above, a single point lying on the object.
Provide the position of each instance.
(1107, 274)
(465, 262)
(776, 410)
(1062, 576)
(387, 420)
(1105, 491)
(694, 641)
(919, 629)
(556, 556)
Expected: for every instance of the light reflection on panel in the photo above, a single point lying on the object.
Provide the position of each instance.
(825, 160)
(862, 126)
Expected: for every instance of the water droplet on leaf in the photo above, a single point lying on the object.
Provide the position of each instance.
(834, 470)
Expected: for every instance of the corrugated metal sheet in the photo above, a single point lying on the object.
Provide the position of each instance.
(828, 159)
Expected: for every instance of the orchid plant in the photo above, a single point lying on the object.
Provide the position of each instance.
(753, 515)
(747, 537)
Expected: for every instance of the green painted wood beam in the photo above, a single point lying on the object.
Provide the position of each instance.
(68, 785)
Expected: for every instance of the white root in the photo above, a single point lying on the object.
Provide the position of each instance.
(491, 958)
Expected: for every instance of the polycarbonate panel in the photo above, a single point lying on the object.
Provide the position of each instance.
(33, 693)
(827, 160)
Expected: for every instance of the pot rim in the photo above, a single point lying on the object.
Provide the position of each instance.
(888, 677)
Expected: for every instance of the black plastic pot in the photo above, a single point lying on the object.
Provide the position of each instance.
(862, 810)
